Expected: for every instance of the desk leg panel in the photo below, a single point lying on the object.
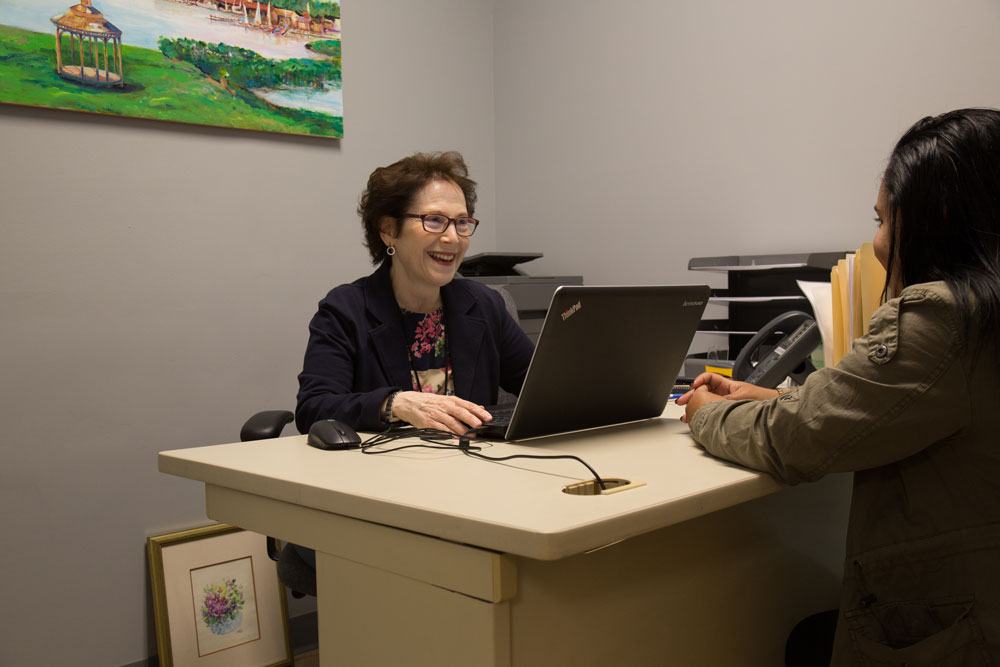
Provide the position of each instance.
(372, 618)
(476, 572)
(722, 589)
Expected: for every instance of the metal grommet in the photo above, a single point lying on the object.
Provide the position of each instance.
(881, 351)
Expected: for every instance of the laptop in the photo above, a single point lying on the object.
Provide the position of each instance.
(606, 355)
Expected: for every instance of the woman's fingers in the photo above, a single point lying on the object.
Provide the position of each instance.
(700, 397)
(447, 413)
(684, 398)
(716, 383)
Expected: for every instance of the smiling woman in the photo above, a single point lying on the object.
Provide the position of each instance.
(426, 247)
(411, 343)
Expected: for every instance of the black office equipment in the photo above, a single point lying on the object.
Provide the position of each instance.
(767, 363)
(332, 434)
(758, 289)
(530, 294)
(606, 355)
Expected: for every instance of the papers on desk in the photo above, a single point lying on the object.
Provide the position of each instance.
(820, 298)
(844, 305)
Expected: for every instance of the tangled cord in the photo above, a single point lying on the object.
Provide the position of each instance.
(432, 438)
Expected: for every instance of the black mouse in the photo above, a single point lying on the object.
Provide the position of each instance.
(332, 434)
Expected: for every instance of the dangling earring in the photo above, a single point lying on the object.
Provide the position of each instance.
(390, 251)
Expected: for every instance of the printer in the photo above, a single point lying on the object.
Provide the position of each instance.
(531, 294)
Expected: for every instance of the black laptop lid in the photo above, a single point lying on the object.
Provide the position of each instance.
(606, 355)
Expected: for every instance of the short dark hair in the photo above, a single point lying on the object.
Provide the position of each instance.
(943, 188)
(391, 190)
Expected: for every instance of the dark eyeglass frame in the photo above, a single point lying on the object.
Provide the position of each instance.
(460, 223)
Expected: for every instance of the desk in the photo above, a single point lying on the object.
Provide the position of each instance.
(430, 557)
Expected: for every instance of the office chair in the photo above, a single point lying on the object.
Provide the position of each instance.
(293, 572)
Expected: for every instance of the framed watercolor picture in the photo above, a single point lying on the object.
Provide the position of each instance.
(217, 600)
(270, 65)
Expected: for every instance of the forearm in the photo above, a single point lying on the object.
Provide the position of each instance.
(891, 397)
(837, 422)
(361, 410)
(740, 431)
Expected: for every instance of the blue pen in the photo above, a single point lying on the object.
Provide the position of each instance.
(679, 390)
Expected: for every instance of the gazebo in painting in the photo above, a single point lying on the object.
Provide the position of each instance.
(89, 36)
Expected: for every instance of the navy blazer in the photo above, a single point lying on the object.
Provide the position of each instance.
(357, 355)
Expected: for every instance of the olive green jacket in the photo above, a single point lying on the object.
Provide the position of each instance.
(915, 413)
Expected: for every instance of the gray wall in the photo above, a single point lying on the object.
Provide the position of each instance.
(155, 285)
(634, 135)
(155, 279)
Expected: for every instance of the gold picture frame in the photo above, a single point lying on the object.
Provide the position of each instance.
(217, 599)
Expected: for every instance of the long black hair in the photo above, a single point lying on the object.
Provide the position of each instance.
(943, 187)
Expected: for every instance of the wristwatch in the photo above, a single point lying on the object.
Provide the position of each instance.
(389, 417)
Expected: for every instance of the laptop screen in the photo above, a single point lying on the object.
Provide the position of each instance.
(606, 355)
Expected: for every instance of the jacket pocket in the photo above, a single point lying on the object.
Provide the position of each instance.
(919, 633)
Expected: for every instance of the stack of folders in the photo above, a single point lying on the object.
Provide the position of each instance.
(856, 283)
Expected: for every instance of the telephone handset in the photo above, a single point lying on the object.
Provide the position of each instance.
(789, 357)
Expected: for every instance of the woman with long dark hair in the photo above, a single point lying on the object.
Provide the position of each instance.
(913, 410)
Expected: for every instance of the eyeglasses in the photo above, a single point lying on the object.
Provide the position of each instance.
(437, 224)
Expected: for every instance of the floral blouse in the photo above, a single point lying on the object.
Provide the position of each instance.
(428, 352)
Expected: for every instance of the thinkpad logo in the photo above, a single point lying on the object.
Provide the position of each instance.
(571, 310)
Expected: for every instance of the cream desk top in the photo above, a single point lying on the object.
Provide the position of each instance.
(516, 507)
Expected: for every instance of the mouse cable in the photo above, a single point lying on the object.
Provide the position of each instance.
(437, 439)
(432, 439)
(468, 451)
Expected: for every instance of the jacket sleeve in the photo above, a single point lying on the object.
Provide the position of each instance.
(515, 352)
(901, 389)
(329, 373)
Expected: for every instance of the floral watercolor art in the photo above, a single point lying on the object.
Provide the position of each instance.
(222, 610)
(225, 605)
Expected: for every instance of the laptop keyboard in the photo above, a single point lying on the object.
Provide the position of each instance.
(501, 419)
(501, 413)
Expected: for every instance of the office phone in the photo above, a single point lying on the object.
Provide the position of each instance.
(767, 366)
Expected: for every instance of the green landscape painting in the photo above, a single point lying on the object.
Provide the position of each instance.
(268, 65)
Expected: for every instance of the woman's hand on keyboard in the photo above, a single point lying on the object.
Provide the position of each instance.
(447, 413)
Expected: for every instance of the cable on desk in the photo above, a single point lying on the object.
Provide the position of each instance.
(434, 439)
(437, 439)
(468, 452)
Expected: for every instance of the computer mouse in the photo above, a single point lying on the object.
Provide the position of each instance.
(332, 434)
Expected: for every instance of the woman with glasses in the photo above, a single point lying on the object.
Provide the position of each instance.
(410, 343)
(913, 411)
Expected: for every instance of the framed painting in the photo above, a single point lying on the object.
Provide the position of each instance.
(217, 600)
(269, 65)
